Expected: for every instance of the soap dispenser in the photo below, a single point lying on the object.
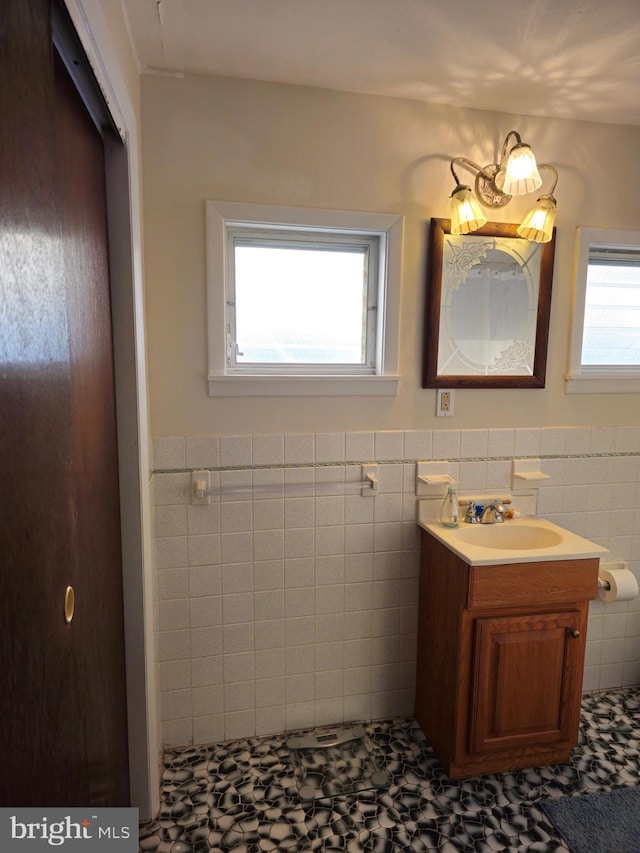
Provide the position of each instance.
(450, 511)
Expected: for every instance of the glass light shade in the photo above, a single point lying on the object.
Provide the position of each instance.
(466, 213)
(537, 225)
(522, 174)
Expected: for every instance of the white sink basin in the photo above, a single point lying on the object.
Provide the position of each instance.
(518, 540)
(509, 536)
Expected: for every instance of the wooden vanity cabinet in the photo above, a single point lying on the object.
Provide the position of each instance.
(500, 659)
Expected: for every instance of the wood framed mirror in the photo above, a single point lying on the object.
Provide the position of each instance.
(487, 308)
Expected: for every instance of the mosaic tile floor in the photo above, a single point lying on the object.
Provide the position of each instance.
(243, 797)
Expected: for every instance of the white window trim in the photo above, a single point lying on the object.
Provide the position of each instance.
(219, 215)
(596, 379)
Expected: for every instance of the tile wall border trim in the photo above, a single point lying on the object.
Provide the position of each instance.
(292, 466)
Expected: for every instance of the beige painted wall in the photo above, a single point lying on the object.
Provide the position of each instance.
(212, 138)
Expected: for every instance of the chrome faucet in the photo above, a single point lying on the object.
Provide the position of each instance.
(493, 513)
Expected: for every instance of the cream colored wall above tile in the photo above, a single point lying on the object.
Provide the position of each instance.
(212, 138)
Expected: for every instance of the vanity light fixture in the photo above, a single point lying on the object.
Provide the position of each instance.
(517, 173)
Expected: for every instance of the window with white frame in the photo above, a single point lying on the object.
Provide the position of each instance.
(605, 344)
(302, 302)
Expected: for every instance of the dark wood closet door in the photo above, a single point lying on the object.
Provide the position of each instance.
(62, 705)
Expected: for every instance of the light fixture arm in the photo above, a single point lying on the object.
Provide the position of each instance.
(553, 169)
(463, 161)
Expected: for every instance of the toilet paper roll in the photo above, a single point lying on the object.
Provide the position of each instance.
(623, 585)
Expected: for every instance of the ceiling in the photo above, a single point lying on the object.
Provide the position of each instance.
(560, 58)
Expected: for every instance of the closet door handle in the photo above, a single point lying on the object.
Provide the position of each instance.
(575, 634)
(69, 604)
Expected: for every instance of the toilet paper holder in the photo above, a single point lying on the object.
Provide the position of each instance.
(616, 582)
(604, 584)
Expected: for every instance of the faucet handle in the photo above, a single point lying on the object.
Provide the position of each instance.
(470, 514)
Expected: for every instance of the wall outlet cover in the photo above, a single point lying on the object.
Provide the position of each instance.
(444, 403)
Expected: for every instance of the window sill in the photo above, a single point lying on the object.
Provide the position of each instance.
(614, 384)
(303, 386)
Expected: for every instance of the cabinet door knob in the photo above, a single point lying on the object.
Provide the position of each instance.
(575, 634)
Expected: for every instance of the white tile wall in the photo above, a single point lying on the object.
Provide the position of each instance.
(289, 602)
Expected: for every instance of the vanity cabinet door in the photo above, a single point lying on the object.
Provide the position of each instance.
(526, 680)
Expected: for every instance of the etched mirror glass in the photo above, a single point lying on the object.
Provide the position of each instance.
(489, 306)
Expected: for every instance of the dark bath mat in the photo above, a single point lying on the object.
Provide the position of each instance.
(607, 822)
